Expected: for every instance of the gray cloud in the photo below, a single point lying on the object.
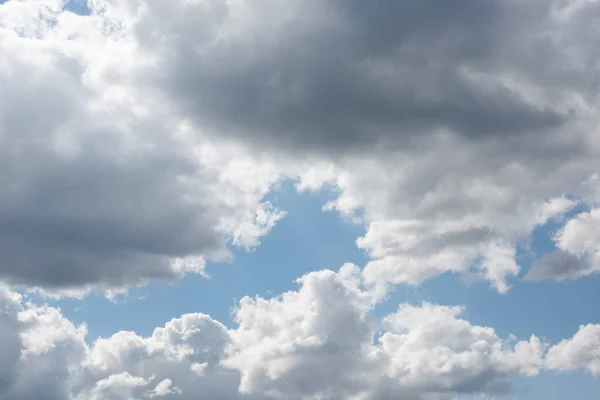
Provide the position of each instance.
(98, 189)
(11, 344)
(341, 76)
(559, 265)
(99, 215)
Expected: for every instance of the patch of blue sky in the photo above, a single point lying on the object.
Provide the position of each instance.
(78, 7)
(549, 385)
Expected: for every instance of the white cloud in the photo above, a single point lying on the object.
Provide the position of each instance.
(311, 343)
(581, 234)
(320, 341)
(164, 388)
(40, 350)
(446, 204)
(165, 364)
(117, 386)
(421, 356)
(580, 351)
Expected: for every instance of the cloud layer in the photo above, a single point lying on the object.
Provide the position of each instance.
(320, 341)
(342, 76)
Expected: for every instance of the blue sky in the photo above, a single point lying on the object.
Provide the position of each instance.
(409, 193)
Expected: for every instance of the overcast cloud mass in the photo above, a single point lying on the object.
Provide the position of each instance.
(141, 141)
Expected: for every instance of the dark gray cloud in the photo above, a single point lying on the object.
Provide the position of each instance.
(90, 219)
(339, 76)
(11, 342)
(99, 215)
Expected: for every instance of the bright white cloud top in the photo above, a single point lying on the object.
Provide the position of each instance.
(140, 141)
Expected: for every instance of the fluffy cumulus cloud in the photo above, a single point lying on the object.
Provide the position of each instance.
(180, 360)
(581, 351)
(40, 349)
(320, 341)
(305, 344)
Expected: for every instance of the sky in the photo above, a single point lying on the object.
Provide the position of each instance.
(264, 200)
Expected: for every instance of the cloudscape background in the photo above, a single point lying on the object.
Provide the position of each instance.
(301, 199)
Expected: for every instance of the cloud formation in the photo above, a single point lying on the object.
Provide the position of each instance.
(320, 341)
(341, 76)
(40, 349)
(140, 141)
(161, 125)
(102, 185)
